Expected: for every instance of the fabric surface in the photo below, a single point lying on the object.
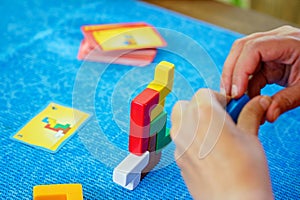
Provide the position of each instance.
(38, 49)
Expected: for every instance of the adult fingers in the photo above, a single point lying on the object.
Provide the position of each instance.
(280, 49)
(256, 83)
(283, 101)
(269, 73)
(230, 62)
(235, 52)
(253, 113)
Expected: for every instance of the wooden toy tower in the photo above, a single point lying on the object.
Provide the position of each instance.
(148, 134)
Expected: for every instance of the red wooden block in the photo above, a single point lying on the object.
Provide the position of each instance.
(139, 131)
(140, 110)
(138, 145)
(142, 105)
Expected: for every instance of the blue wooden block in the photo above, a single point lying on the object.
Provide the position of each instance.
(235, 106)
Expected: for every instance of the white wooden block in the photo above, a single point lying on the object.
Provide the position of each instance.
(132, 166)
(135, 182)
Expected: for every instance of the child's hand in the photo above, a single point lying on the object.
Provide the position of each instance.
(218, 159)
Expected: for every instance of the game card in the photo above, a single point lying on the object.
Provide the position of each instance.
(140, 57)
(124, 36)
(51, 128)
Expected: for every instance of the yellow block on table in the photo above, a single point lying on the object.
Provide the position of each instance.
(58, 192)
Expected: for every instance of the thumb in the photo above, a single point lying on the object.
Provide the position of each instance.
(253, 113)
(283, 101)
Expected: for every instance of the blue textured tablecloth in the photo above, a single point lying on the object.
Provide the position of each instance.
(38, 48)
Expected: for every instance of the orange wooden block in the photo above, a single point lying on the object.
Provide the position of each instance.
(58, 192)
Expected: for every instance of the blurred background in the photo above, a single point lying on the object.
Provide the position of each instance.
(283, 9)
(244, 16)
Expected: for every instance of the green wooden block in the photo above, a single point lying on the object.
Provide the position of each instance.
(163, 138)
(158, 123)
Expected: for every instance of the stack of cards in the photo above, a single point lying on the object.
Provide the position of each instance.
(128, 43)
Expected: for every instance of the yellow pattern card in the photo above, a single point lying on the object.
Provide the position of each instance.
(52, 127)
(124, 36)
(127, 38)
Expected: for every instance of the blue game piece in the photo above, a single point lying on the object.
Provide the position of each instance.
(235, 106)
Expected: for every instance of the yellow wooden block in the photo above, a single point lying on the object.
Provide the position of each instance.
(164, 74)
(162, 83)
(58, 192)
(157, 110)
(163, 90)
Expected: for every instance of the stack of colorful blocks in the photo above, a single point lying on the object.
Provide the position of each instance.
(148, 133)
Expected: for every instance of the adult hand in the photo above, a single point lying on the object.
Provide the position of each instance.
(265, 58)
(217, 158)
